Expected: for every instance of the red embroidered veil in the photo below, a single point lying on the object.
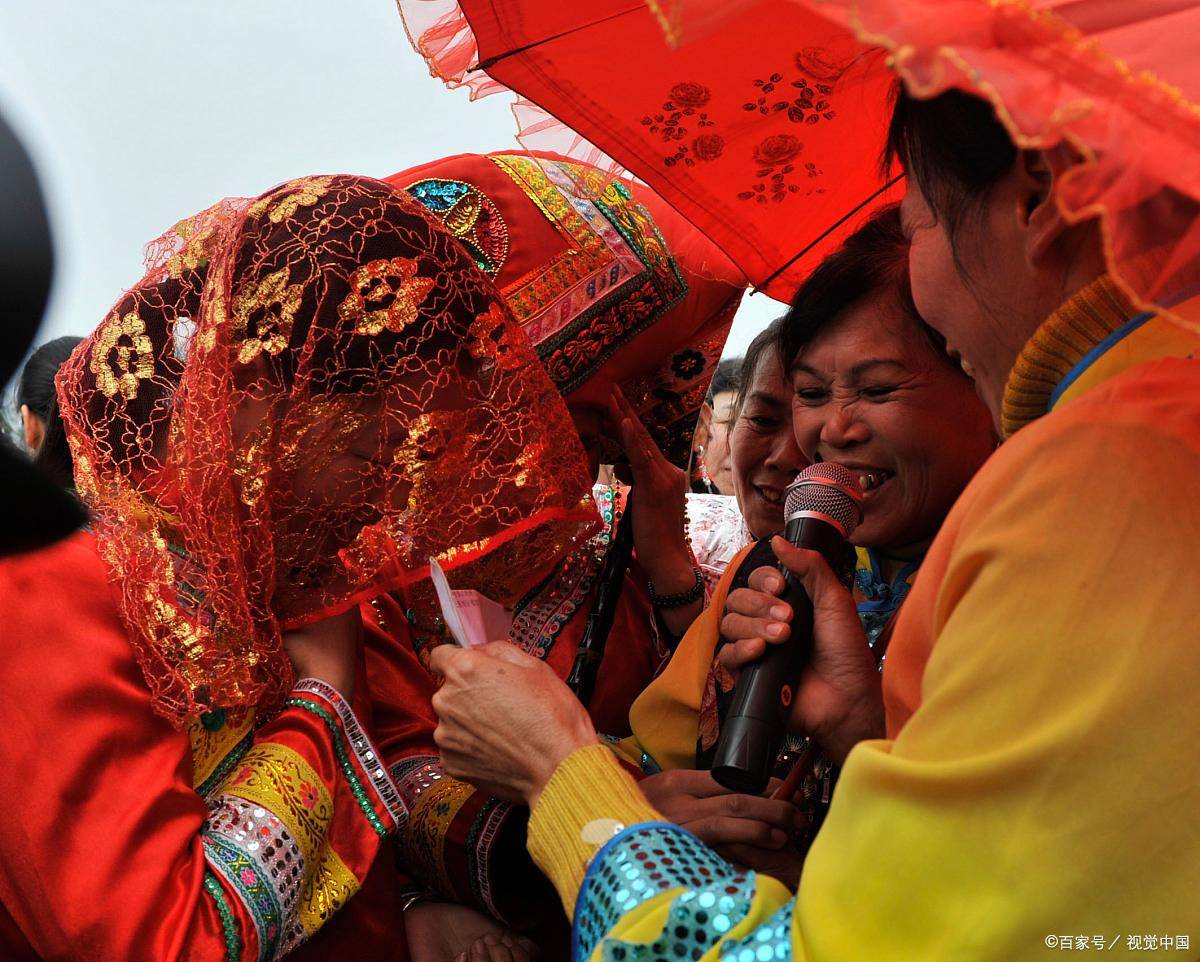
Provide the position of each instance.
(308, 395)
(762, 120)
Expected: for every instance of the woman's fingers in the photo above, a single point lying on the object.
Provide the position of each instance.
(755, 614)
(639, 458)
(742, 627)
(753, 603)
(810, 567)
(766, 580)
(497, 950)
(737, 654)
(523, 949)
(769, 811)
(640, 448)
(507, 651)
(723, 830)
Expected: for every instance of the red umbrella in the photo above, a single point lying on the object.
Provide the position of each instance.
(762, 120)
(765, 133)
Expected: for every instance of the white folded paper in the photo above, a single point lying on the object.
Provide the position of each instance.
(473, 619)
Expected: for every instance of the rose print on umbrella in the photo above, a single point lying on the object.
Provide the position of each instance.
(686, 99)
(775, 156)
(802, 101)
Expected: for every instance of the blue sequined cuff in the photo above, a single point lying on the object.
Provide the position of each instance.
(644, 861)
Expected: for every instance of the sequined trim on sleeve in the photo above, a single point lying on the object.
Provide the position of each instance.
(265, 835)
(485, 831)
(642, 862)
(434, 800)
(361, 746)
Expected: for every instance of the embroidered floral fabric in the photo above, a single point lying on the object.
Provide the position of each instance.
(610, 285)
(308, 395)
(715, 112)
(268, 836)
(765, 133)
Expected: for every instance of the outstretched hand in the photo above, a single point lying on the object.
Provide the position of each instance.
(505, 719)
(838, 698)
(659, 516)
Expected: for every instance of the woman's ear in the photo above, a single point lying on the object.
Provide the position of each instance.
(33, 428)
(1041, 175)
(703, 428)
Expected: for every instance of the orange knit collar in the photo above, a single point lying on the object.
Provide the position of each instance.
(1091, 315)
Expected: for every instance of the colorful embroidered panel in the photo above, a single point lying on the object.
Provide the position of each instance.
(615, 277)
(218, 739)
(267, 836)
(469, 214)
(357, 746)
(541, 615)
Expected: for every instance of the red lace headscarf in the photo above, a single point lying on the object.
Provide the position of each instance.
(609, 282)
(307, 396)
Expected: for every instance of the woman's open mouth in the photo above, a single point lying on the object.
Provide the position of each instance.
(874, 479)
(773, 496)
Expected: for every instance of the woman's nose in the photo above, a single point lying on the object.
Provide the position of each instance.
(842, 428)
(785, 454)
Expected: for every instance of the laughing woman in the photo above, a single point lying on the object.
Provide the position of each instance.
(868, 384)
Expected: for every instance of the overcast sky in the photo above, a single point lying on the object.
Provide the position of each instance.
(140, 113)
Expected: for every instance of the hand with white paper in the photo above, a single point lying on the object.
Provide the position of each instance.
(473, 619)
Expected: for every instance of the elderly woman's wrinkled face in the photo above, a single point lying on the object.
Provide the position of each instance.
(717, 455)
(871, 392)
(763, 449)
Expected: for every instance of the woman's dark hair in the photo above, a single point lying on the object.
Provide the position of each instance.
(36, 390)
(764, 343)
(873, 261)
(725, 377)
(953, 148)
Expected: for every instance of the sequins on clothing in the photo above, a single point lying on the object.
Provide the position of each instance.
(254, 851)
(267, 833)
(469, 214)
(360, 746)
(770, 942)
(643, 862)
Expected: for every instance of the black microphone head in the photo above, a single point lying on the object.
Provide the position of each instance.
(827, 491)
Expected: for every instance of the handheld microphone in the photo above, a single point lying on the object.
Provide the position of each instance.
(823, 507)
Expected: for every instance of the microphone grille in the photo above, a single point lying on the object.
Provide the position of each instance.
(827, 489)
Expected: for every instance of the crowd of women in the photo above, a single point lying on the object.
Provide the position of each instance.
(234, 725)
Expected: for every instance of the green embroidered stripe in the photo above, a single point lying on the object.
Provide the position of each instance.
(343, 757)
(233, 942)
(236, 754)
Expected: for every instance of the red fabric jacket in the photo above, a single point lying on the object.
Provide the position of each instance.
(126, 839)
